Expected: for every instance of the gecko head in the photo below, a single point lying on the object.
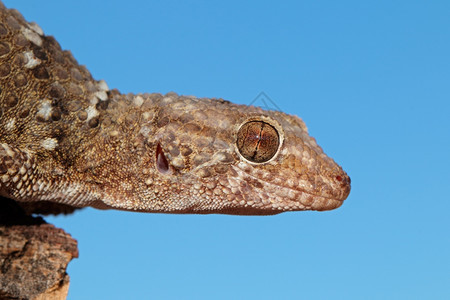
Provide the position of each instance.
(193, 155)
(209, 156)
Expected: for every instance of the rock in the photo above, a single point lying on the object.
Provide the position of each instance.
(33, 256)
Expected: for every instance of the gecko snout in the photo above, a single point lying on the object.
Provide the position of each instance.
(344, 183)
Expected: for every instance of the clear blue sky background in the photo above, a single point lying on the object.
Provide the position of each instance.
(371, 79)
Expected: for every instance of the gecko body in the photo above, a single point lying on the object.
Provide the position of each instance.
(68, 139)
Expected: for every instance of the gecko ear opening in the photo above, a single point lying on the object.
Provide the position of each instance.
(162, 165)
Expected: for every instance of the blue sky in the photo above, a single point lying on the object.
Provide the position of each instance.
(371, 79)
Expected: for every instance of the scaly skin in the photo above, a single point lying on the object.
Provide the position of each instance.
(66, 138)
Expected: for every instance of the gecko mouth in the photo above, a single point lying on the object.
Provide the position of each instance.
(279, 195)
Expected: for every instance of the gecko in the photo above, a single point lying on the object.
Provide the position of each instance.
(68, 141)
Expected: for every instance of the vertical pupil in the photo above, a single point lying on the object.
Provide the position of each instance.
(257, 141)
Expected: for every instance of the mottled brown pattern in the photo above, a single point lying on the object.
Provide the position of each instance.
(33, 256)
(67, 138)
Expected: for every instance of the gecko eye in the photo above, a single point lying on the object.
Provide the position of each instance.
(257, 141)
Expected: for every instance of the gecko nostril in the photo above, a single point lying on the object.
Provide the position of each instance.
(343, 180)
